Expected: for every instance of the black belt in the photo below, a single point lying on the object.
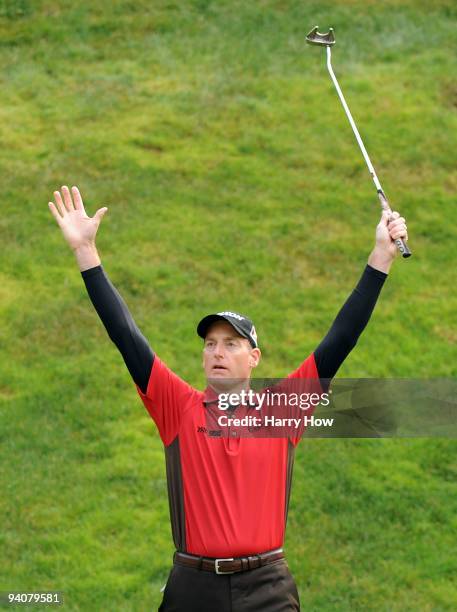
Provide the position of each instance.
(230, 565)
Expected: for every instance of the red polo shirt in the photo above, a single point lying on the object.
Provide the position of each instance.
(228, 496)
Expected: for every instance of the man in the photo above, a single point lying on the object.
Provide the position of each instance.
(228, 494)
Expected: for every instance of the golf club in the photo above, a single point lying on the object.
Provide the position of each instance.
(327, 40)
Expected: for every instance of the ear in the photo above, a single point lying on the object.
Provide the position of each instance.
(254, 358)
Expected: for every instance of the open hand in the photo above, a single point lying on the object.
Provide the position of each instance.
(77, 227)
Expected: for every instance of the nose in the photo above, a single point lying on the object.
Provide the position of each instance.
(219, 350)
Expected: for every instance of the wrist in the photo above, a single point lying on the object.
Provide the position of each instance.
(84, 246)
(380, 260)
(87, 256)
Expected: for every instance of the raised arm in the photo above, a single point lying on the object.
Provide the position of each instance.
(355, 313)
(79, 230)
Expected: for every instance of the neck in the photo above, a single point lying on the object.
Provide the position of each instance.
(228, 385)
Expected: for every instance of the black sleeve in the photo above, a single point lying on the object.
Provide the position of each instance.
(119, 324)
(349, 323)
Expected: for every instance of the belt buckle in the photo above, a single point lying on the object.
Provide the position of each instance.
(216, 566)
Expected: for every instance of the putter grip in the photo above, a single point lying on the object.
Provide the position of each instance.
(399, 242)
(403, 248)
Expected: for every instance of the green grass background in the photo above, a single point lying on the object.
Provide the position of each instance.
(233, 180)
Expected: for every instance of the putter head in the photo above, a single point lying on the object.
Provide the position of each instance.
(316, 38)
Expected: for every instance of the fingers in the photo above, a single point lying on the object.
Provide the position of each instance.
(55, 214)
(397, 227)
(60, 205)
(66, 204)
(100, 213)
(399, 234)
(77, 198)
(67, 198)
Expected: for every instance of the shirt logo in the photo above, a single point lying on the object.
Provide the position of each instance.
(212, 433)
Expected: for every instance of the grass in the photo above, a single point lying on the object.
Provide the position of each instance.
(233, 181)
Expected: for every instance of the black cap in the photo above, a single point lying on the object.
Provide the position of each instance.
(243, 325)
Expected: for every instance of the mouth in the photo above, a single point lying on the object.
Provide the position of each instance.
(219, 368)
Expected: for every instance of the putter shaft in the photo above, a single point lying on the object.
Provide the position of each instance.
(351, 121)
(315, 37)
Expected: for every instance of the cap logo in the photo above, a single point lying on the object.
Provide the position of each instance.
(253, 334)
(234, 315)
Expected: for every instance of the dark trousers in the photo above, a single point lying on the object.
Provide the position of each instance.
(269, 588)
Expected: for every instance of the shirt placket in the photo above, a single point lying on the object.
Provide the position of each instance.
(233, 441)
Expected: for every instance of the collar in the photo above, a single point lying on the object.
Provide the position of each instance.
(210, 396)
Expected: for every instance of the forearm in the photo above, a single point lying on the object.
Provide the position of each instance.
(87, 256)
(122, 329)
(349, 323)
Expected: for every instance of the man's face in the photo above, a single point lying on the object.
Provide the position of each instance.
(226, 354)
